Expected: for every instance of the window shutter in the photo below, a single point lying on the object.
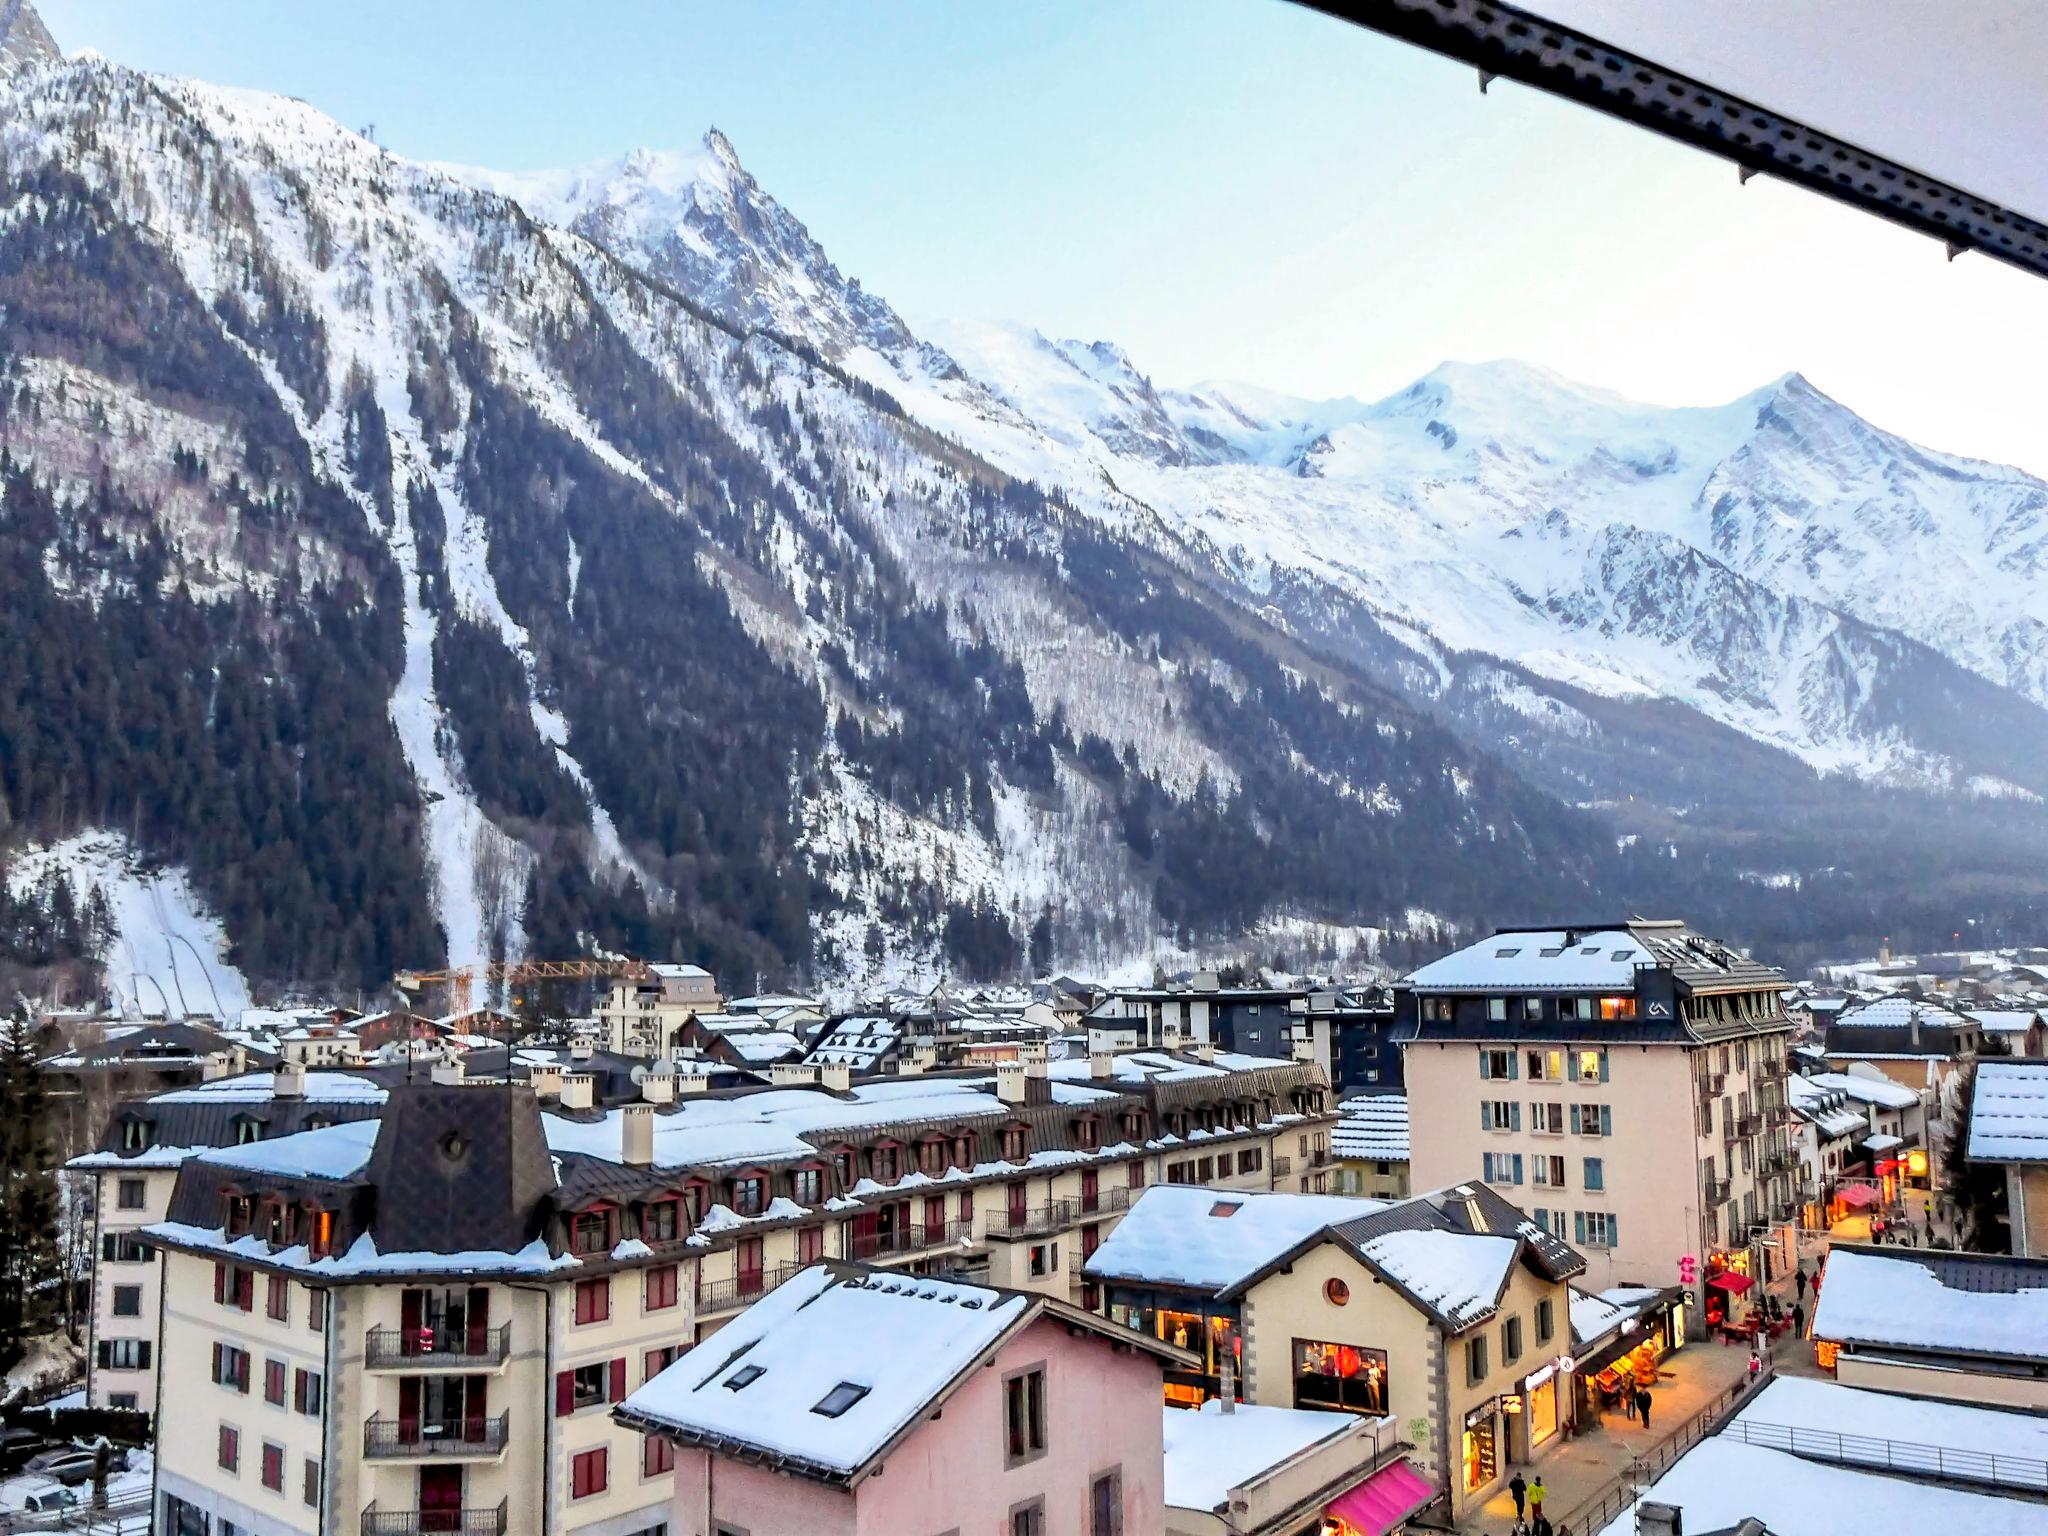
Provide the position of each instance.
(106, 1354)
(1515, 1115)
(242, 1372)
(216, 1362)
(1575, 1119)
(565, 1393)
(1485, 1115)
(1606, 1120)
(107, 1247)
(220, 1278)
(1603, 1063)
(245, 1289)
(1518, 1165)
(142, 1354)
(1514, 1063)
(1542, 1218)
(1614, 1231)
(618, 1392)
(1485, 1065)
(1579, 1227)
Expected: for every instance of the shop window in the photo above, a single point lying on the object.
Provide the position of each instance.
(1339, 1376)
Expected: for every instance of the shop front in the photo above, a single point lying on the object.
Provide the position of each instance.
(1631, 1354)
(1479, 1460)
(1207, 1329)
(1535, 1414)
(1379, 1506)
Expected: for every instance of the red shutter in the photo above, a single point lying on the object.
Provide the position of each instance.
(245, 1289)
(216, 1362)
(220, 1282)
(618, 1392)
(479, 1319)
(565, 1393)
(242, 1371)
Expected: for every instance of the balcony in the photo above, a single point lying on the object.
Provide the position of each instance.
(448, 1350)
(1717, 1192)
(387, 1439)
(918, 1237)
(434, 1522)
(744, 1289)
(1711, 1084)
(1106, 1202)
(1036, 1221)
(1751, 1124)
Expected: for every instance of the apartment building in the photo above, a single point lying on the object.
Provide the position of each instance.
(1448, 1313)
(1913, 1041)
(858, 1401)
(134, 1171)
(2008, 1128)
(1625, 1082)
(640, 1015)
(1369, 1147)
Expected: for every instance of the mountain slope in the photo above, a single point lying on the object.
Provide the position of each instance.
(440, 582)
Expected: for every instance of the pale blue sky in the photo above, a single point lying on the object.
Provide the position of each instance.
(1227, 188)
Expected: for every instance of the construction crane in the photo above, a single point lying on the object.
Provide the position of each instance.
(515, 972)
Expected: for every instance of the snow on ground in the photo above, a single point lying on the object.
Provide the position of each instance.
(1208, 1452)
(170, 952)
(1955, 1440)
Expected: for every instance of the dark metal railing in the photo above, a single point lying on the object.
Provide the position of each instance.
(1955, 1462)
(434, 1522)
(914, 1237)
(1035, 1221)
(749, 1285)
(384, 1437)
(436, 1348)
(1643, 1470)
(1105, 1202)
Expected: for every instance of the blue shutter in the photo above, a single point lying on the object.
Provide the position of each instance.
(1614, 1231)
(1514, 1063)
(1518, 1168)
(1606, 1120)
(1575, 1119)
(1485, 1064)
(1579, 1228)
(1542, 1218)
(1485, 1115)
(1603, 1063)
(1515, 1115)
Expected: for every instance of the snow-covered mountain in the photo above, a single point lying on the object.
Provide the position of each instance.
(427, 560)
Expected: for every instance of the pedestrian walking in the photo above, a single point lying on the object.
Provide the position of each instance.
(1798, 1320)
(1801, 1283)
(1540, 1526)
(1536, 1493)
(1519, 1491)
(1756, 1364)
(1643, 1405)
(1628, 1403)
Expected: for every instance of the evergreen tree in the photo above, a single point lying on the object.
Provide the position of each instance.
(28, 1195)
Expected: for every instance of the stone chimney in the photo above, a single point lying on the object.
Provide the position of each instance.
(792, 1074)
(214, 1067)
(836, 1076)
(636, 1135)
(1655, 1519)
(691, 1082)
(1303, 1050)
(1010, 1082)
(582, 1048)
(1101, 1064)
(546, 1082)
(448, 1072)
(1205, 1050)
(579, 1090)
(288, 1081)
(658, 1086)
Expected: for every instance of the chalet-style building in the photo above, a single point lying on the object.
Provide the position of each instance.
(1910, 1040)
(1369, 1147)
(101, 1063)
(1450, 1310)
(1581, 1052)
(864, 1400)
(2008, 1120)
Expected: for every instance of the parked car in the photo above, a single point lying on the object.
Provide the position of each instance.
(69, 1465)
(17, 1446)
(48, 1501)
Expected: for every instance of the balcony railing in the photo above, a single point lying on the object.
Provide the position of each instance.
(1105, 1202)
(434, 1522)
(1717, 1192)
(745, 1288)
(409, 1439)
(440, 1349)
(1711, 1084)
(1036, 1221)
(1751, 1124)
(916, 1237)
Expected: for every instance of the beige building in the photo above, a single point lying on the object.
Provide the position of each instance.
(1369, 1147)
(1625, 1084)
(640, 1015)
(1448, 1313)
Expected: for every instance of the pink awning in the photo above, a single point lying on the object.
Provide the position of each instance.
(1856, 1196)
(1383, 1500)
(1732, 1283)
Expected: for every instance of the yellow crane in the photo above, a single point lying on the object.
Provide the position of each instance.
(459, 980)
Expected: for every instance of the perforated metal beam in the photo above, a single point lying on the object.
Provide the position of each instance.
(1503, 42)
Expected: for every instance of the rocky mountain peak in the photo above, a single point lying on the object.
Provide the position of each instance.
(24, 40)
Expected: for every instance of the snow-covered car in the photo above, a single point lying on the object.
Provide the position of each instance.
(67, 1464)
(48, 1501)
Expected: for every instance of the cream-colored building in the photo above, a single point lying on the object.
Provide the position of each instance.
(2009, 1129)
(1626, 1085)
(640, 1015)
(1449, 1313)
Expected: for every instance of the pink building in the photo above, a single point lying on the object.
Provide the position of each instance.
(855, 1401)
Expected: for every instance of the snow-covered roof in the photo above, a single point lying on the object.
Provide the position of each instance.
(1907, 1434)
(1163, 1066)
(680, 972)
(1940, 1302)
(1721, 1482)
(858, 1042)
(1883, 1142)
(1209, 1452)
(1373, 1128)
(1828, 1108)
(1594, 1317)
(1881, 1091)
(363, 1259)
(332, 1152)
(256, 1086)
(1458, 1274)
(1538, 959)
(2009, 1112)
(2004, 1021)
(763, 1046)
(1901, 1013)
(1204, 1239)
(896, 1342)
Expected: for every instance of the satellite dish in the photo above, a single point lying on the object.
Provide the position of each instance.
(638, 1075)
(664, 1068)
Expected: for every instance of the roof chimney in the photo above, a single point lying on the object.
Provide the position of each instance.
(792, 1074)
(836, 1076)
(582, 1048)
(579, 1090)
(288, 1080)
(1010, 1082)
(692, 1082)
(546, 1082)
(1101, 1064)
(1300, 1050)
(1205, 1050)
(658, 1084)
(448, 1072)
(1654, 1519)
(636, 1135)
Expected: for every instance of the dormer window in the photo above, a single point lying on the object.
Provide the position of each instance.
(750, 1194)
(1088, 1132)
(807, 1185)
(883, 1160)
(591, 1231)
(1015, 1138)
(276, 1224)
(931, 1155)
(661, 1221)
(694, 1199)
(135, 1136)
(241, 1214)
(320, 1234)
(963, 1152)
(842, 1167)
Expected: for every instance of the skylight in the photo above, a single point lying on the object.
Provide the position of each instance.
(1553, 951)
(839, 1399)
(1226, 1207)
(1506, 954)
(745, 1376)
(1624, 954)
